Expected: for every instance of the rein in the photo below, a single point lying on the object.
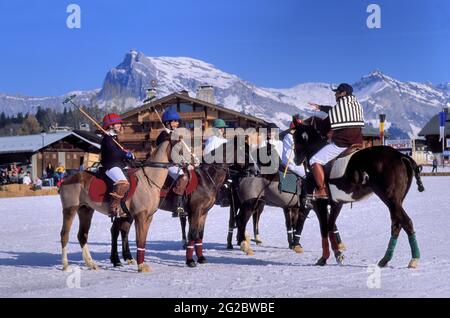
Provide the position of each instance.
(216, 167)
(150, 181)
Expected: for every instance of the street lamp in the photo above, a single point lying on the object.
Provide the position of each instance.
(42, 150)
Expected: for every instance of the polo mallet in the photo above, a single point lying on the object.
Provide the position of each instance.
(289, 161)
(70, 100)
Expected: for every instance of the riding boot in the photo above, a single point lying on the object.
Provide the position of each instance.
(120, 189)
(319, 175)
(179, 189)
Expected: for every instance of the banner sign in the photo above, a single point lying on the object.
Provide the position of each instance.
(399, 144)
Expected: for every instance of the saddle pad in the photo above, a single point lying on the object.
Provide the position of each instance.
(339, 167)
(289, 183)
(191, 187)
(98, 189)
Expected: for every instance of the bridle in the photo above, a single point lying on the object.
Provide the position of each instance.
(216, 167)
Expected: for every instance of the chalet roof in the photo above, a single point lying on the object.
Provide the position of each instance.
(187, 99)
(33, 143)
(432, 127)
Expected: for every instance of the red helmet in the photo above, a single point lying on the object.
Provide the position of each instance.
(296, 120)
(111, 119)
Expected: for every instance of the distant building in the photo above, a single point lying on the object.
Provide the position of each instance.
(71, 149)
(431, 133)
(143, 126)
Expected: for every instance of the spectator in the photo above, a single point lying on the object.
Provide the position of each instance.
(50, 170)
(21, 177)
(4, 177)
(60, 171)
(37, 184)
(13, 175)
(27, 179)
(435, 165)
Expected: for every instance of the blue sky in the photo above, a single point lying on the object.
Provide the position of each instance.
(272, 43)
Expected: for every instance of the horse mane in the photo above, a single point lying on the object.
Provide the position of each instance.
(152, 154)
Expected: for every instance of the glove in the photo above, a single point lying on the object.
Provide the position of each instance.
(130, 156)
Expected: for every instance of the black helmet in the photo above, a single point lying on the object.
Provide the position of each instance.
(344, 87)
(272, 126)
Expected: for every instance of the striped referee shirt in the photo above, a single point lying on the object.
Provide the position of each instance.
(346, 113)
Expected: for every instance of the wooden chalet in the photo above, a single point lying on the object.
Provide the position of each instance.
(143, 126)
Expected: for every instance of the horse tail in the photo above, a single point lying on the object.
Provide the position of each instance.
(417, 170)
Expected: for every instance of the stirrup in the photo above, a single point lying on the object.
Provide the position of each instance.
(325, 196)
(180, 211)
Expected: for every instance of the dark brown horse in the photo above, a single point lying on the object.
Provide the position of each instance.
(381, 170)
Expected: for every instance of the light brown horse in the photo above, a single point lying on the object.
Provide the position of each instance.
(142, 205)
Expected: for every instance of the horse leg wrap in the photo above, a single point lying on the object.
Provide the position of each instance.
(190, 250)
(296, 240)
(140, 255)
(390, 250)
(334, 242)
(414, 246)
(325, 248)
(199, 248)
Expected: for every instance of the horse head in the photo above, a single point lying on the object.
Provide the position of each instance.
(308, 138)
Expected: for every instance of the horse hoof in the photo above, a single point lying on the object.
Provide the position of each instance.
(202, 260)
(342, 247)
(184, 244)
(321, 262)
(413, 263)
(131, 261)
(298, 249)
(383, 263)
(144, 268)
(191, 263)
(229, 246)
(93, 266)
(67, 269)
(257, 241)
(245, 247)
(340, 259)
(119, 264)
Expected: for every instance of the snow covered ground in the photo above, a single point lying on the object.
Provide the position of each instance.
(30, 255)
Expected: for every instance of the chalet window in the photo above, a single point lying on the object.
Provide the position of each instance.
(189, 125)
(185, 108)
(232, 124)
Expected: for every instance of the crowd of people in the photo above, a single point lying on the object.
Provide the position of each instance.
(14, 174)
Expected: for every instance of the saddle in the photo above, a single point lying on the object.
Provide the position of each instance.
(101, 186)
(335, 171)
(192, 185)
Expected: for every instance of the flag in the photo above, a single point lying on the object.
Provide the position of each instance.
(442, 118)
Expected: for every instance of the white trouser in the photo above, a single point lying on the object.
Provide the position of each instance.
(326, 154)
(116, 174)
(175, 172)
(298, 170)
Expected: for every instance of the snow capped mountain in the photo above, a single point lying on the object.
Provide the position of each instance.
(408, 105)
(14, 104)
